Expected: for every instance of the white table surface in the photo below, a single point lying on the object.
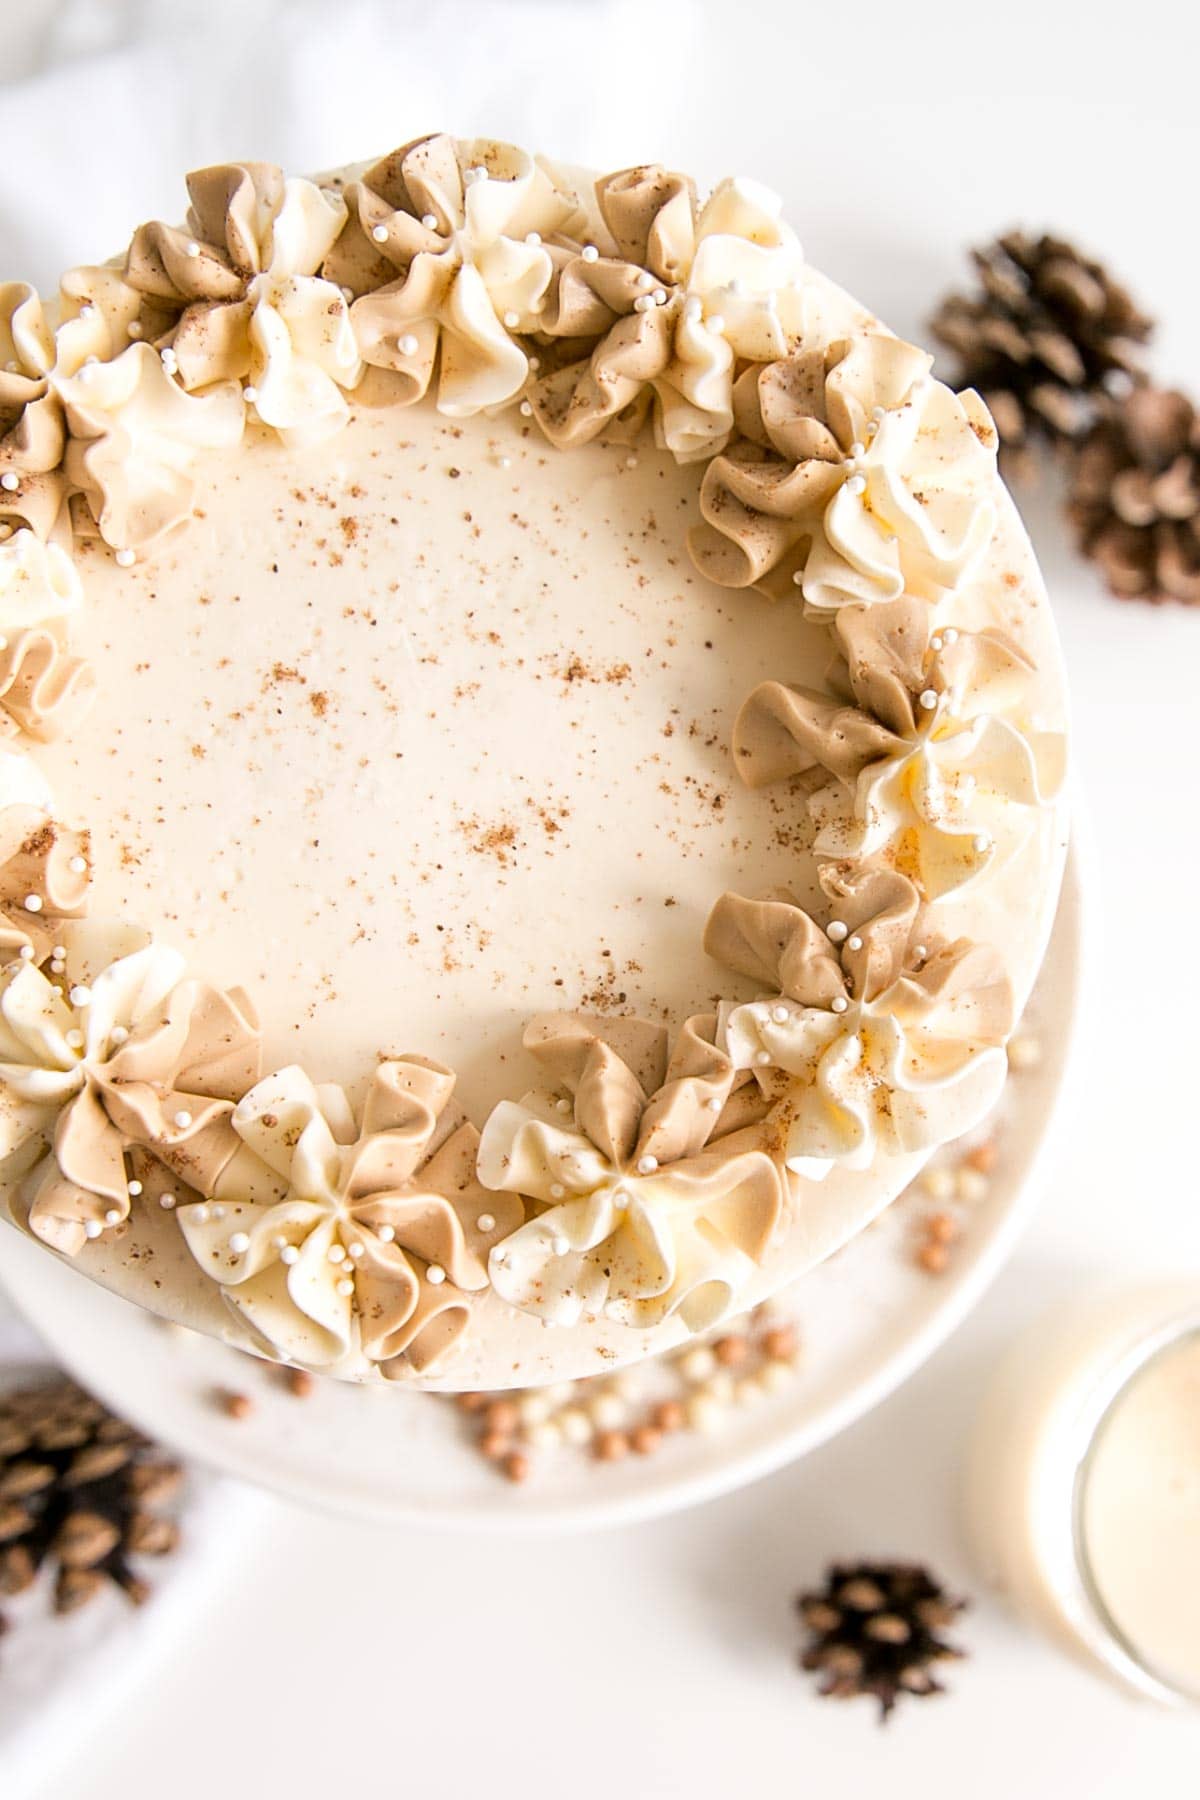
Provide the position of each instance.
(659, 1660)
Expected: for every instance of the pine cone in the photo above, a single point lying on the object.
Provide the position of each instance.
(1135, 497)
(78, 1489)
(875, 1630)
(1048, 342)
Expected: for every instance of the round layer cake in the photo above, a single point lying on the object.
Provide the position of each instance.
(532, 795)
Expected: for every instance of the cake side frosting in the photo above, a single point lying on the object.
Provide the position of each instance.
(871, 997)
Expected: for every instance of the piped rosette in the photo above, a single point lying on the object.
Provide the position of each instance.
(242, 289)
(103, 1056)
(855, 478)
(651, 1190)
(933, 760)
(871, 1035)
(445, 256)
(662, 308)
(329, 1236)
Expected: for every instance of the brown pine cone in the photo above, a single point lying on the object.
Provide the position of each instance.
(78, 1489)
(875, 1628)
(1135, 497)
(1048, 342)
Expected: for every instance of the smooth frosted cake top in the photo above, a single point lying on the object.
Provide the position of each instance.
(554, 731)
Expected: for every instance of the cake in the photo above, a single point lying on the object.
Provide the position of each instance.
(532, 787)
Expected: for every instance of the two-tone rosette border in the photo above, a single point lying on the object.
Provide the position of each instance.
(641, 1179)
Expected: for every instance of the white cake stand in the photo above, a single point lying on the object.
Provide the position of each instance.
(868, 1318)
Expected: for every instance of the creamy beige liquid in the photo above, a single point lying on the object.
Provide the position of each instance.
(1141, 1514)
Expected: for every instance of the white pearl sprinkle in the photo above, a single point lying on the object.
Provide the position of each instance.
(112, 1216)
(840, 1003)
(512, 319)
(218, 1211)
(590, 253)
(250, 394)
(837, 931)
(643, 304)
(279, 1242)
(166, 1201)
(183, 1118)
(289, 1254)
(647, 1165)
(951, 634)
(659, 296)
(80, 995)
(929, 699)
(200, 1215)
(170, 361)
(33, 903)
(935, 643)
(358, 1251)
(119, 1034)
(533, 238)
(854, 943)
(429, 221)
(486, 1222)
(857, 449)
(75, 1039)
(239, 1243)
(557, 1190)
(408, 345)
(631, 462)
(435, 1274)
(920, 952)
(983, 843)
(535, 362)
(78, 865)
(379, 233)
(9, 481)
(714, 1104)
(27, 953)
(763, 1058)
(857, 484)
(134, 329)
(562, 1104)
(93, 1228)
(526, 410)
(386, 1233)
(620, 1199)
(345, 1287)
(780, 1015)
(559, 1245)
(335, 1253)
(135, 1188)
(126, 558)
